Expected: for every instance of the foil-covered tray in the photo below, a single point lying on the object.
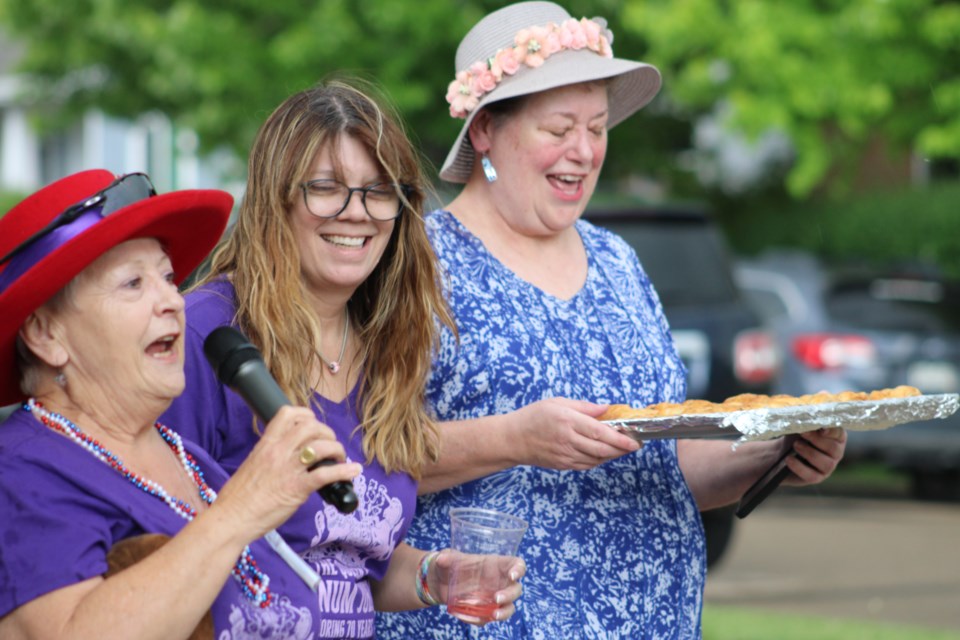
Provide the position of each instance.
(766, 424)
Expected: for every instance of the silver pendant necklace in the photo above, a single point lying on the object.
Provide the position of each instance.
(334, 365)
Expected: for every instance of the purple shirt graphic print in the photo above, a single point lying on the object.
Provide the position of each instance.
(347, 550)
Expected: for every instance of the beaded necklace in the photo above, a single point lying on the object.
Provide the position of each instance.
(253, 582)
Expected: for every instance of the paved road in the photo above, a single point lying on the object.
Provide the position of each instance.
(870, 559)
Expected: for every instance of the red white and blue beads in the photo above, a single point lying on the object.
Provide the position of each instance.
(253, 582)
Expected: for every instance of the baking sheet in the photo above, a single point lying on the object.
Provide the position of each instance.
(766, 424)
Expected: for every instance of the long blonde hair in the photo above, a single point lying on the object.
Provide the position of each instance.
(395, 309)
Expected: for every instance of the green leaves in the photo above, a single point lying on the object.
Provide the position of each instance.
(831, 74)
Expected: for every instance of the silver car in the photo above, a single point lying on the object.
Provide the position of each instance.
(863, 329)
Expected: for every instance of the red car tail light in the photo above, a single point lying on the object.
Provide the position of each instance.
(834, 350)
(755, 356)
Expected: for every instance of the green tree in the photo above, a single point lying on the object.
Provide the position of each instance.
(831, 74)
(220, 66)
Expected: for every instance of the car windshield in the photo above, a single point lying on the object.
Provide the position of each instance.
(681, 259)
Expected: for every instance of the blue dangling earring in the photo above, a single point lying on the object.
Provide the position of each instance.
(488, 170)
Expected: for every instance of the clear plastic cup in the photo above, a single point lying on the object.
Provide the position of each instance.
(489, 541)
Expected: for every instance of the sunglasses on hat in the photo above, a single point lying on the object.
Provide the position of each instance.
(120, 193)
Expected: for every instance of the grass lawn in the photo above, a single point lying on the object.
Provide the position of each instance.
(731, 623)
(867, 477)
(728, 623)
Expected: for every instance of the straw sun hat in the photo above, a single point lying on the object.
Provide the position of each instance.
(534, 46)
(42, 249)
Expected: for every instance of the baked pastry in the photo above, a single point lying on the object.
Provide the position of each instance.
(749, 401)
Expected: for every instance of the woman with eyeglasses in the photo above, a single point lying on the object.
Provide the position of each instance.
(91, 345)
(328, 271)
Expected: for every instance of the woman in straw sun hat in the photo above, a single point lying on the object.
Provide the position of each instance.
(556, 320)
(91, 341)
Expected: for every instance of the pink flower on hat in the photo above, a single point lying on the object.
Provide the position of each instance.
(596, 39)
(461, 95)
(592, 31)
(532, 46)
(484, 79)
(572, 34)
(506, 62)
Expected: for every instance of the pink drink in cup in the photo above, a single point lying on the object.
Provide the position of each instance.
(489, 541)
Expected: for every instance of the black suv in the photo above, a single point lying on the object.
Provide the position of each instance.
(720, 338)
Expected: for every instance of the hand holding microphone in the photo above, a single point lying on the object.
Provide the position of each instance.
(239, 365)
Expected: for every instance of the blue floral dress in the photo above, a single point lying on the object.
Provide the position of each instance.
(613, 552)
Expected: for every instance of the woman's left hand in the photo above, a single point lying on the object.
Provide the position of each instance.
(821, 451)
(274, 481)
(504, 571)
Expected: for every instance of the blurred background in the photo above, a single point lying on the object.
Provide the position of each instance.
(794, 190)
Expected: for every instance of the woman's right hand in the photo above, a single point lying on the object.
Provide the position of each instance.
(560, 433)
(556, 433)
(272, 482)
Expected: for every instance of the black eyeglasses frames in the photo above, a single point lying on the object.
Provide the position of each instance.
(327, 198)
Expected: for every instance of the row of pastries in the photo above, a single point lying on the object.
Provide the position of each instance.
(748, 401)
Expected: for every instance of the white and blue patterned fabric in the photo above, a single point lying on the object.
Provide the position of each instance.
(613, 552)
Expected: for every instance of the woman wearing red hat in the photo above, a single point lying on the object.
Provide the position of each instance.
(556, 319)
(91, 340)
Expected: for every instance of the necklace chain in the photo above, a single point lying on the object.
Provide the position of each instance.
(334, 365)
(253, 582)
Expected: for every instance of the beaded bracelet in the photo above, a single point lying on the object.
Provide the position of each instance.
(423, 592)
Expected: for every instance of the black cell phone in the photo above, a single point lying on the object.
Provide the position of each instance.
(768, 482)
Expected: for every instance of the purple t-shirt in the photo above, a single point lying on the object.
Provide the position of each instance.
(346, 550)
(63, 509)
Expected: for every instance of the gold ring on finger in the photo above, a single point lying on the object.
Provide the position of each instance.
(308, 455)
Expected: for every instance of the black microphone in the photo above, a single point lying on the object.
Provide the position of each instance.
(239, 365)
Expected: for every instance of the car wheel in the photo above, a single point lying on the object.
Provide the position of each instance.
(718, 529)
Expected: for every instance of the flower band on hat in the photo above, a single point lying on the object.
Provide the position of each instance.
(495, 58)
(531, 47)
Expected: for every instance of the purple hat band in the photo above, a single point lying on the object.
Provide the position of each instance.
(45, 245)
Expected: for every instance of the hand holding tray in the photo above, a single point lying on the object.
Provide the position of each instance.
(770, 423)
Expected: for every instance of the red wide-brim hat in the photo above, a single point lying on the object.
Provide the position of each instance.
(187, 223)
